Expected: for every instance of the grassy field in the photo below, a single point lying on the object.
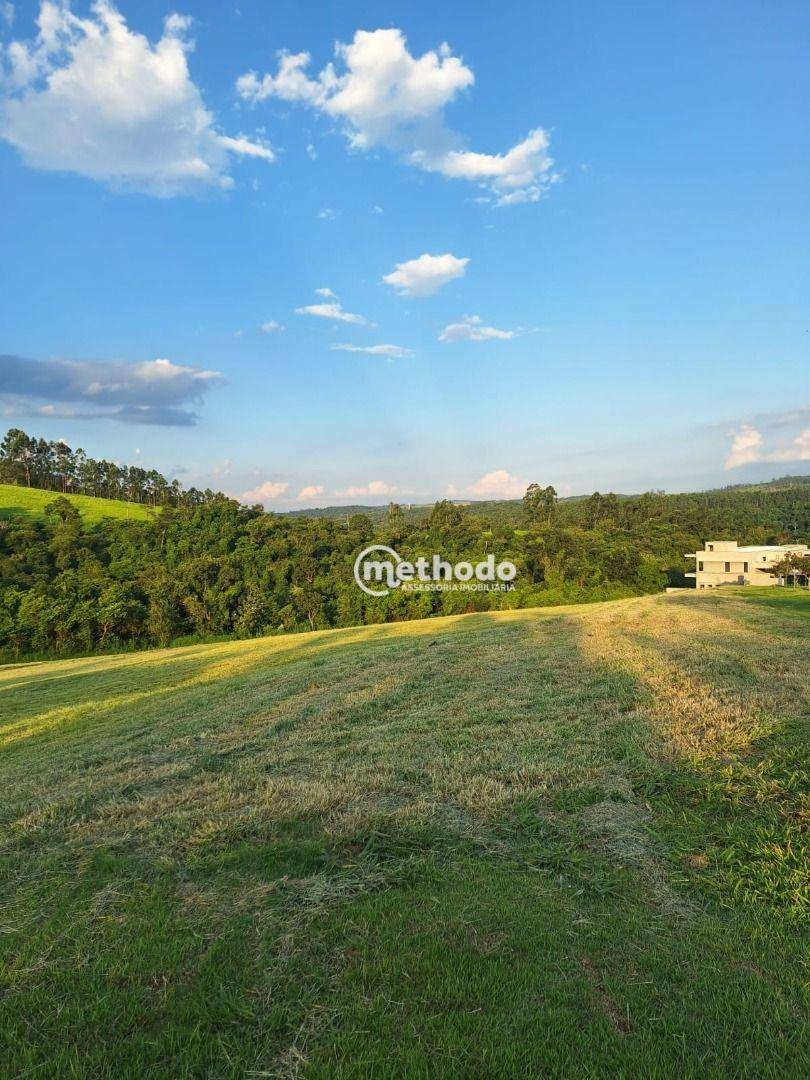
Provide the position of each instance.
(554, 843)
(16, 501)
(787, 599)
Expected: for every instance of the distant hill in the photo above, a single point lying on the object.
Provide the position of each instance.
(510, 509)
(18, 501)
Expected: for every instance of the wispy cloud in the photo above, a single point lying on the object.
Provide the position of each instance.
(374, 489)
(332, 310)
(471, 328)
(390, 352)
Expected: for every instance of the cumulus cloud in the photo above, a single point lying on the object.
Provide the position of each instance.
(271, 327)
(471, 328)
(264, 493)
(748, 446)
(386, 97)
(425, 275)
(390, 352)
(332, 310)
(151, 392)
(798, 450)
(90, 96)
(520, 175)
(311, 491)
(498, 484)
(374, 489)
(327, 294)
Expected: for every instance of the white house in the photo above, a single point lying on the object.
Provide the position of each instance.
(722, 562)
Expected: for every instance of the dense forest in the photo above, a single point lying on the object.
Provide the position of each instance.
(54, 466)
(221, 569)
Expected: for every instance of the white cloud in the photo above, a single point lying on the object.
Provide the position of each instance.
(798, 450)
(271, 327)
(7, 9)
(247, 147)
(327, 214)
(498, 484)
(374, 489)
(164, 371)
(425, 275)
(311, 491)
(90, 96)
(264, 493)
(327, 294)
(390, 352)
(290, 83)
(150, 392)
(748, 446)
(519, 175)
(312, 153)
(332, 310)
(385, 96)
(471, 328)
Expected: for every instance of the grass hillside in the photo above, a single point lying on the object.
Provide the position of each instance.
(23, 501)
(559, 842)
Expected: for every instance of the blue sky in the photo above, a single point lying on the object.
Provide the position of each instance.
(632, 312)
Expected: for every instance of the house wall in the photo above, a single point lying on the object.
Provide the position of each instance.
(726, 552)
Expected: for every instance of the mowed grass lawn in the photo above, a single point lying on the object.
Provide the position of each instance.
(18, 501)
(565, 842)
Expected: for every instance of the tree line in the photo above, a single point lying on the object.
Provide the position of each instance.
(54, 466)
(221, 569)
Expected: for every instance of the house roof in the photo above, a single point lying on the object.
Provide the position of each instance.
(769, 547)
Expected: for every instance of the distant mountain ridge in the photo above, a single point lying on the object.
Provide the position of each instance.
(483, 506)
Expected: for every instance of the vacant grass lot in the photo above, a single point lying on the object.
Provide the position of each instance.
(31, 502)
(564, 842)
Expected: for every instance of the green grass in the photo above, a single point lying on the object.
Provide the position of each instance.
(553, 843)
(31, 502)
(787, 598)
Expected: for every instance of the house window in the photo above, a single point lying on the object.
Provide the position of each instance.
(745, 567)
(710, 547)
(728, 567)
(700, 566)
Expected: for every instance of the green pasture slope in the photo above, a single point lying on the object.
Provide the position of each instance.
(562, 843)
(23, 501)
